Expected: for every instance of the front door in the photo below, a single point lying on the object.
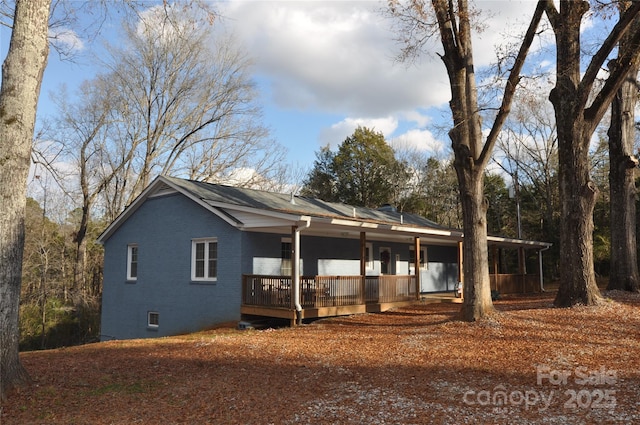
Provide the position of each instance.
(385, 260)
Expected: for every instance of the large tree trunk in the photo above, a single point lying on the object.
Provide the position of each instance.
(576, 123)
(624, 257)
(577, 197)
(577, 191)
(477, 285)
(22, 73)
(471, 151)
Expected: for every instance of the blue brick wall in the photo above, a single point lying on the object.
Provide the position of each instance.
(163, 228)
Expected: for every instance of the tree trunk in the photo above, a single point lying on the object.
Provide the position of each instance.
(624, 257)
(22, 73)
(476, 288)
(79, 269)
(577, 191)
(576, 123)
(467, 143)
(577, 198)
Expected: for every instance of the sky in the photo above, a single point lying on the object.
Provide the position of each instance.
(325, 67)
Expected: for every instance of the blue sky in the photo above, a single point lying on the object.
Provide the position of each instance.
(325, 67)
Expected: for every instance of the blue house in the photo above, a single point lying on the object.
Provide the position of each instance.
(187, 255)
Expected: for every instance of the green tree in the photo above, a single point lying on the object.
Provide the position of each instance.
(320, 182)
(500, 212)
(435, 194)
(364, 172)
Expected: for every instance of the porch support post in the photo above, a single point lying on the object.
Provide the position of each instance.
(416, 265)
(540, 269)
(460, 270)
(295, 274)
(522, 269)
(363, 266)
(522, 266)
(494, 253)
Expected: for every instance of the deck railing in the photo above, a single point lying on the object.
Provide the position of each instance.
(327, 291)
(515, 283)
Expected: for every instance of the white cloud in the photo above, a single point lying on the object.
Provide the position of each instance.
(337, 57)
(66, 39)
(337, 133)
(420, 140)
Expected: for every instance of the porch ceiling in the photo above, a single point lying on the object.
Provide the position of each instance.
(346, 229)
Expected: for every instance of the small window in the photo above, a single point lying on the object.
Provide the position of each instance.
(153, 319)
(204, 260)
(132, 262)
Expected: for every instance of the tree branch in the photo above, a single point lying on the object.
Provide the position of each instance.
(512, 83)
(597, 61)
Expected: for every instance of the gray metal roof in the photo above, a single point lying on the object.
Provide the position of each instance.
(290, 204)
(234, 203)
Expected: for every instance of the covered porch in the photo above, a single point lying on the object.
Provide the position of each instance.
(357, 264)
(326, 296)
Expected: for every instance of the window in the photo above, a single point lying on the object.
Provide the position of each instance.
(132, 262)
(368, 255)
(204, 260)
(285, 256)
(153, 319)
(412, 259)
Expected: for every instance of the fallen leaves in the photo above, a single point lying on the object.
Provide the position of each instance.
(414, 365)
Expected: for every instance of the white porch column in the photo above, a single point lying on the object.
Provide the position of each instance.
(416, 265)
(295, 272)
(363, 266)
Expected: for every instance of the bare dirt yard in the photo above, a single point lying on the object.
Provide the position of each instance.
(531, 364)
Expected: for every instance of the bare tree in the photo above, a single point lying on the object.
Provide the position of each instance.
(82, 129)
(579, 106)
(527, 150)
(187, 106)
(22, 72)
(452, 21)
(622, 164)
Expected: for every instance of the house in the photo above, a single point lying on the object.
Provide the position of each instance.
(186, 255)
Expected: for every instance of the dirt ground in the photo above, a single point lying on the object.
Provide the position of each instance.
(532, 364)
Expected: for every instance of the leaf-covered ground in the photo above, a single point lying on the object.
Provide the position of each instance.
(532, 363)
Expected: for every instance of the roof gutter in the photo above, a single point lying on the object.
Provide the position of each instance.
(540, 265)
(305, 222)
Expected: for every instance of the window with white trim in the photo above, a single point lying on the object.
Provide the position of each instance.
(368, 255)
(204, 260)
(153, 319)
(285, 256)
(132, 262)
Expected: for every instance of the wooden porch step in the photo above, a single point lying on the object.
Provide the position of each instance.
(440, 297)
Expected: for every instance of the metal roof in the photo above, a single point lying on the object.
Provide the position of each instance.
(258, 210)
(214, 194)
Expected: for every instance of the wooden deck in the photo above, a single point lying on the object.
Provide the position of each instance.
(327, 296)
